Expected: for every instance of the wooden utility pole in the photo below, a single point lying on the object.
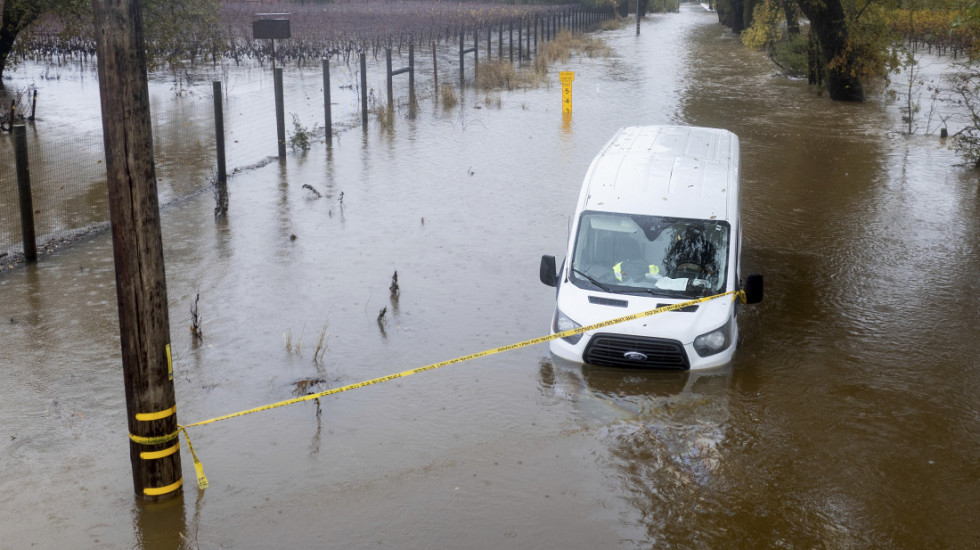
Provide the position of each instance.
(141, 288)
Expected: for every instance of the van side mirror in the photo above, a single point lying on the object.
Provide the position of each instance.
(753, 288)
(548, 272)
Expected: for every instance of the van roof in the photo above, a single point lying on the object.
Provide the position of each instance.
(677, 171)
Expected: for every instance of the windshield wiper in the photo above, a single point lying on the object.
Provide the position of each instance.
(698, 292)
(592, 280)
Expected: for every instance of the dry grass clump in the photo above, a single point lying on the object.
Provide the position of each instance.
(492, 100)
(502, 74)
(448, 94)
(560, 49)
(612, 24)
(384, 112)
(496, 75)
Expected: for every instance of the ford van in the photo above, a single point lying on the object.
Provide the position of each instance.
(657, 223)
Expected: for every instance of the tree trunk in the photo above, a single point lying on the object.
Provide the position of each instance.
(792, 12)
(6, 44)
(730, 14)
(828, 22)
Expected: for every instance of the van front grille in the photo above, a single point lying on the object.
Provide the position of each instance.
(616, 350)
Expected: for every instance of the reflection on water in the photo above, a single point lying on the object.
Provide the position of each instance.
(666, 434)
(162, 525)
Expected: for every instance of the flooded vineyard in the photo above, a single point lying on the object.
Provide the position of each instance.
(849, 417)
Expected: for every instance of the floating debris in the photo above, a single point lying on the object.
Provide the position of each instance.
(394, 286)
(312, 190)
(321, 346)
(306, 386)
(196, 331)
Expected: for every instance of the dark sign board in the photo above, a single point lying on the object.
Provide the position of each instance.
(270, 28)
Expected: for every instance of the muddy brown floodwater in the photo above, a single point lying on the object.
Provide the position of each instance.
(849, 419)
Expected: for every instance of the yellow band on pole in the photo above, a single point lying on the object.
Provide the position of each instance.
(146, 417)
(156, 440)
(152, 455)
(157, 491)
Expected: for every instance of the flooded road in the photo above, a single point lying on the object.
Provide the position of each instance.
(849, 418)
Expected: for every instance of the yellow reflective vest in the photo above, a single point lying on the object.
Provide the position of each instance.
(618, 270)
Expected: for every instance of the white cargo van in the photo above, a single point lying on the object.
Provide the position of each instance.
(657, 223)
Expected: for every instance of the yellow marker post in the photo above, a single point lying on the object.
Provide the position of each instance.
(566, 78)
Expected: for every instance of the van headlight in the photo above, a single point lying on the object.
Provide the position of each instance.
(715, 341)
(564, 322)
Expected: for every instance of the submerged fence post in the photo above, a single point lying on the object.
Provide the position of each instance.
(535, 35)
(219, 147)
(33, 106)
(411, 71)
(462, 46)
(364, 108)
(500, 41)
(637, 17)
(520, 40)
(528, 49)
(391, 98)
(327, 120)
(463, 50)
(219, 132)
(392, 72)
(280, 114)
(24, 193)
(435, 69)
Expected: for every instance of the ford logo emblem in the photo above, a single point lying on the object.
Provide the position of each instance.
(635, 356)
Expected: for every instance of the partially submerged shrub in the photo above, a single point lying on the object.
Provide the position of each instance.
(791, 55)
(302, 136)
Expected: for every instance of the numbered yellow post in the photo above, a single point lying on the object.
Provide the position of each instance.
(566, 78)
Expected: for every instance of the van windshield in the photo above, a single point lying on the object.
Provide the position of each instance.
(630, 253)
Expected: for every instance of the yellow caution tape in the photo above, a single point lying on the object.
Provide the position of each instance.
(493, 351)
(146, 417)
(202, 481)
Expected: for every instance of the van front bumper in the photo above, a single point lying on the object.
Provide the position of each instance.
(639, 352)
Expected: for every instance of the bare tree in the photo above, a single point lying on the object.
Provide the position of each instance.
(965, 92)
